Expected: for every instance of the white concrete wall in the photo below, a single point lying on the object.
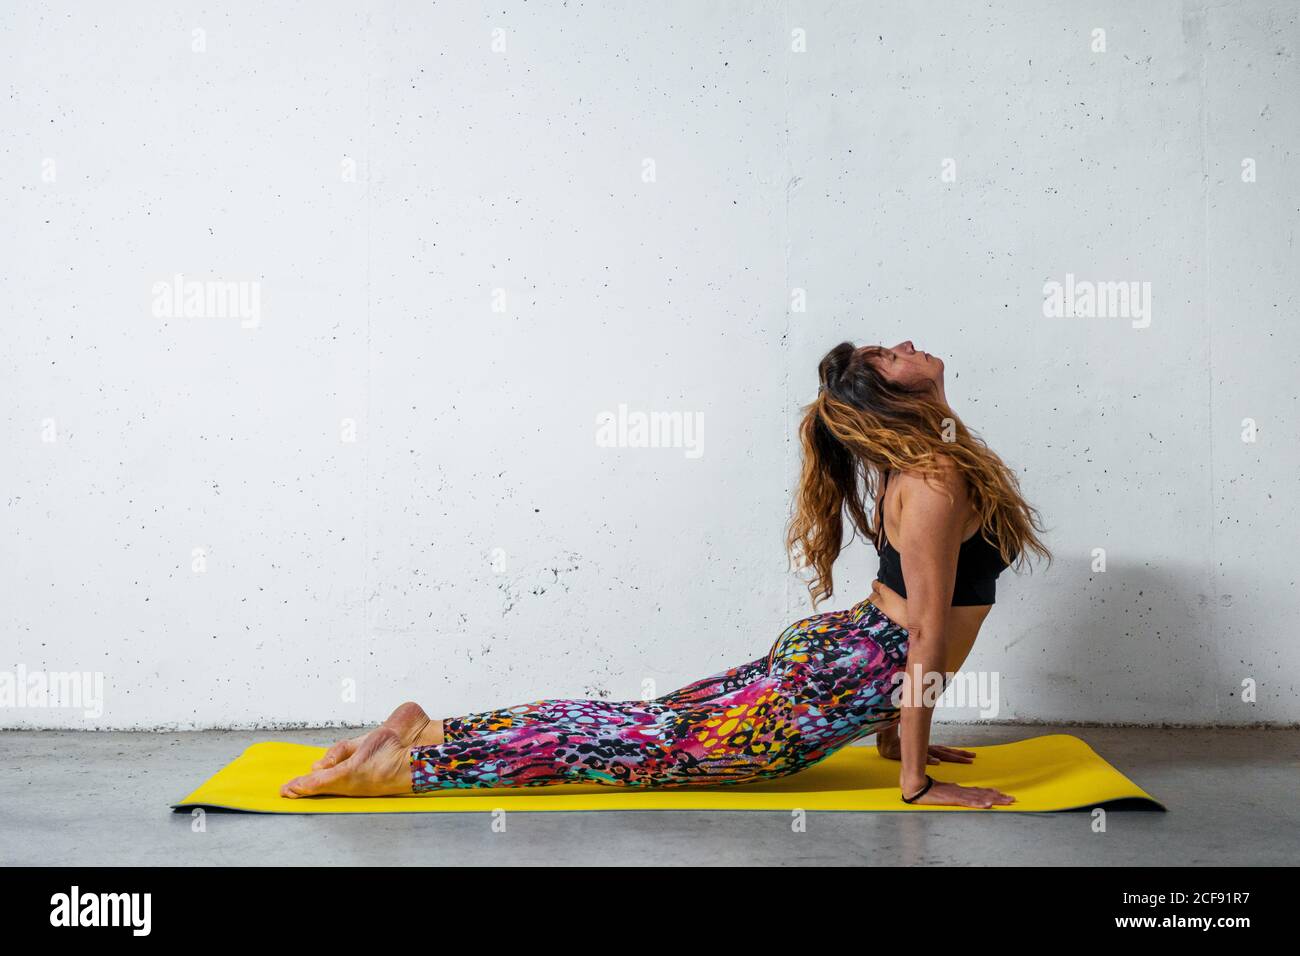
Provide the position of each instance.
(475, 546)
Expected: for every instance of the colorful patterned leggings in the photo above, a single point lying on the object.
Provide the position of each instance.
(827, 681)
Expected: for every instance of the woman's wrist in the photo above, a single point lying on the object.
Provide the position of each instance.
(910, 783)
(914, 794)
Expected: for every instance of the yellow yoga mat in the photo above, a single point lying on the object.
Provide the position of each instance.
(1054, 772)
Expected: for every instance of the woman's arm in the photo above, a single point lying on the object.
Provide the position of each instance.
(933, 516)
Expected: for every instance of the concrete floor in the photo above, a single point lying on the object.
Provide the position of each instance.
(90, 799)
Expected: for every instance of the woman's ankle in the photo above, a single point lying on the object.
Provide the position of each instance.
(431, 734)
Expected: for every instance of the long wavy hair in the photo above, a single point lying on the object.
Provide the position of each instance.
(861, 426)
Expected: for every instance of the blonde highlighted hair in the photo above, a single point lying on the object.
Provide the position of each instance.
(861, 426)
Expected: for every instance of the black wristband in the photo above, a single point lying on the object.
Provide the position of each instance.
(929, 782)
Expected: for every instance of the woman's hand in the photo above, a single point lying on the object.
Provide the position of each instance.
(954, 795)
(888, 746)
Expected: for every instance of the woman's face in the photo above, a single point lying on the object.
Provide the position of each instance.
(904, 365)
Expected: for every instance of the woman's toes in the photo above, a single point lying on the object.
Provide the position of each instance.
(330, 757)
(340, 752)
(315, 783)
(380, 766)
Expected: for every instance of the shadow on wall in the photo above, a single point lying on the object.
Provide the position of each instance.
(1139, 645)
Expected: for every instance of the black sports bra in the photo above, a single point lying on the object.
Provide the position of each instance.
(978, 565)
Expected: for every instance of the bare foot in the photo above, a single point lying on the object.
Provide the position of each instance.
(379, 767)
(411, 724)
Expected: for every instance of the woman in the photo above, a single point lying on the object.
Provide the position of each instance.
(948, 518)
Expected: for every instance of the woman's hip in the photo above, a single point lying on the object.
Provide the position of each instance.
(862, 637)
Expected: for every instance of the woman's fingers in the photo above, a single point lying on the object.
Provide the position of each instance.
(937, 754)
(952, 754)
(986, 799)
(979, 797)
(955, 795)
(989, 797)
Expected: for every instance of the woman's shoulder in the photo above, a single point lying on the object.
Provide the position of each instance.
(944, 474)
(929, 501)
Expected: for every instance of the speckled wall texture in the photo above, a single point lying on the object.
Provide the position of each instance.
(330, 326)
